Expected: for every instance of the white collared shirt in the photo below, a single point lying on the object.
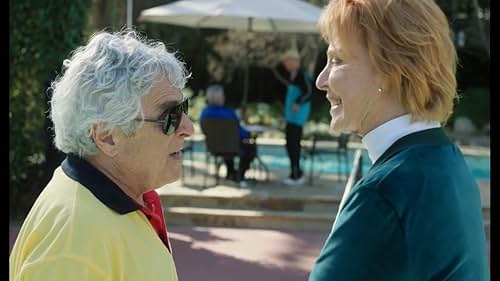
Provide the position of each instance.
(378, 140)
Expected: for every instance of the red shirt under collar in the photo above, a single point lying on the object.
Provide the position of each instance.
(154, 212)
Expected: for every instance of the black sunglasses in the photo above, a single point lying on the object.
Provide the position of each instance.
(172, 117)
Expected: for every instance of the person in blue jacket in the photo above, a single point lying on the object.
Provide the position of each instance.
(416, 213)
(216, 109)
(297, 107)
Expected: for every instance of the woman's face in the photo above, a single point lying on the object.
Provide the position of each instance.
(352, 88)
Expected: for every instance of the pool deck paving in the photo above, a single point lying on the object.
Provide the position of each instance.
(230, 254)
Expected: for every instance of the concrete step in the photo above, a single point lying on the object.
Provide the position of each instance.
(265, 219)
(261, 206)
(256, 207)
(249, 218)
(253, 201)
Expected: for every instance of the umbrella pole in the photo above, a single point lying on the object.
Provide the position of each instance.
(247, 74)
(129, 13)
(245, 94)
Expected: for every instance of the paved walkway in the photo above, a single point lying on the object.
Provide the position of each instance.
(229, 254)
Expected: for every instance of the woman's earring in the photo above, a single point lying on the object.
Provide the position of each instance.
(380, 90)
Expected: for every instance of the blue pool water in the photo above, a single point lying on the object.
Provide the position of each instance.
(276, 159)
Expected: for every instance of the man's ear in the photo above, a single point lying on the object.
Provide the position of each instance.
(103, 138)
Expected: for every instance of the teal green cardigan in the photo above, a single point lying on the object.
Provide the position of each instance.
(415, 215)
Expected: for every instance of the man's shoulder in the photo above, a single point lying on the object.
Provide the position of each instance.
(218, 112)
(67, 204)
(64, 194)
(214, 108)
(67, 219)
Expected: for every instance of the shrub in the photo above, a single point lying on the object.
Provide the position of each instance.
(42, 34)
(474, 103)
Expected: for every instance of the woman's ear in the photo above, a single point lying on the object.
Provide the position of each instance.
(103, 138)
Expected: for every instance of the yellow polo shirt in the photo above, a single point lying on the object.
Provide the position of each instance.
(87, 232)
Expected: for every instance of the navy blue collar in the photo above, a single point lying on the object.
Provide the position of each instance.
(98, 184)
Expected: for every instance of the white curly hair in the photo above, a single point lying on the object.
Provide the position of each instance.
(103, 82)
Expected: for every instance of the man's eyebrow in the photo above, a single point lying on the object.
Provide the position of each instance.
(166, 105)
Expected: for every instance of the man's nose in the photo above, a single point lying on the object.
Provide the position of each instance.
(186, 128)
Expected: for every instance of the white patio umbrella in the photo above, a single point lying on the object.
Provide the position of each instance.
(293, 16)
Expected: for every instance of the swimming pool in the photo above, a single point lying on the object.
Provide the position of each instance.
(276, 159)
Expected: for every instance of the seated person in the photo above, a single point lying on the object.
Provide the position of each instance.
(215, 109)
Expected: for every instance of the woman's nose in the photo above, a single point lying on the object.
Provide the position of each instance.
(322, 80)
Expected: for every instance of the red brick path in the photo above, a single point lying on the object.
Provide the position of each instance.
(228, 254)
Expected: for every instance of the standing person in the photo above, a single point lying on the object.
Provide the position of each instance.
(416, 214)
(119, 115)
(297, 108)
(248, 150)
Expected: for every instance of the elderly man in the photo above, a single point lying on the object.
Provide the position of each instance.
(248, 150)
(120, 117)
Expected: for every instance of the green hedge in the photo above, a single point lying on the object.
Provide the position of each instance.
(42, 34)
(474, 103)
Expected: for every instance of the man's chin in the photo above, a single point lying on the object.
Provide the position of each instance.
(167, 182)
(171, 179)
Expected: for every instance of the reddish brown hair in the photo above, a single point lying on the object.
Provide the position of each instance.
(409, 42)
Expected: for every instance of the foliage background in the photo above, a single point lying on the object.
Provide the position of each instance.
(43, 32)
